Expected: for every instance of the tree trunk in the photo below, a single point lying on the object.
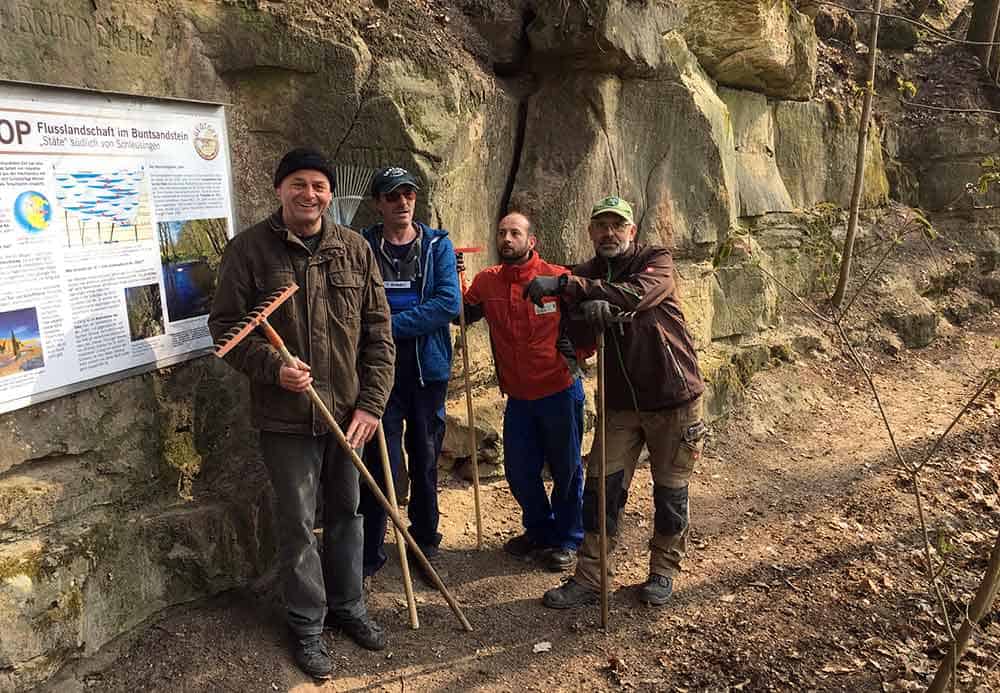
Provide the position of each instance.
(980, 606)
(983, 28)
(859, 168)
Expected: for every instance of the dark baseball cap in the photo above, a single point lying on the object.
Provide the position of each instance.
(388, 179)
(301, 159)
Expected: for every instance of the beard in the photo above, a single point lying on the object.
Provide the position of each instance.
(512, 256)
(610, 251)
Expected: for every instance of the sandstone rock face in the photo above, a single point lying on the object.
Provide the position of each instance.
(760, 45)
(663, 144)
(610, 36)
(758, 181)
(943, 161)
(815, 149)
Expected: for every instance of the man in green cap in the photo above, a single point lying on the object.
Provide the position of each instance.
(653, 394)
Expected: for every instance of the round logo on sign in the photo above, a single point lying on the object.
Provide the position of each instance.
(206, 141)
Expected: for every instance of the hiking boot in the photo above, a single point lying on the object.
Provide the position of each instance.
(656, 590)
(313, 658)
(521, 546)
(570, 594)
(362, 630)
(558, 559)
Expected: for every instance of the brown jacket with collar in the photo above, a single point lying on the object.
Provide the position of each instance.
(337, 322)
(651, 362)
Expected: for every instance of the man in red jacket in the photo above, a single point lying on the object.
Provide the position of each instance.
(653, 390)
(543, 421)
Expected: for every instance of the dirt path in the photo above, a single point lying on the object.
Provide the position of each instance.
(804, 574)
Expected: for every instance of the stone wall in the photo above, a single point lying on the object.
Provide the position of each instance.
(121, 500)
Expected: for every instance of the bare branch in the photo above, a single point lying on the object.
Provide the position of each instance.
(937, 444)
(878, 399)
(805, 304)
(916, 22)
(947, 109)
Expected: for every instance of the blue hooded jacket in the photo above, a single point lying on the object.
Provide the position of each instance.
(428, 321)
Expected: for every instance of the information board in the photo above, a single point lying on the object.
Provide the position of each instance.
(114, 211)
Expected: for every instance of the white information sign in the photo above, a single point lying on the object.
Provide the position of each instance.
(114, 211)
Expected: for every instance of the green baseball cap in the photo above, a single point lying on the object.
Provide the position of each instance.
(615, 205)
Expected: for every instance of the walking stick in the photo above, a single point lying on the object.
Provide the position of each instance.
(258, 318)
(602, 490)
(404, 564)
(602, 487)
(474, 444)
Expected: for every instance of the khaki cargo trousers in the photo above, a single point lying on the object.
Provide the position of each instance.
(674, 438)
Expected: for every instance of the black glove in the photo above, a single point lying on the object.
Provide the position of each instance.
(540, 287)
(598, 313)
(459, 262)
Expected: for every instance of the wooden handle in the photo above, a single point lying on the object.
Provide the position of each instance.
(602, 487)
(370, 480)
(404, 563)
(472, 425)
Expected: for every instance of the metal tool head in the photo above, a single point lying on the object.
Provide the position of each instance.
(254, 318)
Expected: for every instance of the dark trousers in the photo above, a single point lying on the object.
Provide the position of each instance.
(422, 408)
(549, 430)
(299, 467)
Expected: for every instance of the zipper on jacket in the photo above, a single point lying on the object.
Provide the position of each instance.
(677, 366)
(423, 289)
(621, 360)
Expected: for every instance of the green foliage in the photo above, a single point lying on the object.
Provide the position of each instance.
(906, 88)
(990, 175)
(818, 245)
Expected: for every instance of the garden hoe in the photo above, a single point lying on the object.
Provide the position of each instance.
(468, 404)
(258, 318)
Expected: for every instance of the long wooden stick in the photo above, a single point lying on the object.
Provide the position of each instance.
(275, 339)
(602, 500)
(473, 443)
(404, 564)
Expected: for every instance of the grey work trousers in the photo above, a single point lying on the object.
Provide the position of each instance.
(299, 466)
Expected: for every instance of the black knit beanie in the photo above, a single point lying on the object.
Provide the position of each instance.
(304, 158)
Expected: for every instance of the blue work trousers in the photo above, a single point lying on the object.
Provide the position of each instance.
(536, 432)
(422, 408)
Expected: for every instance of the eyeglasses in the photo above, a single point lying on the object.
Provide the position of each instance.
(408, 193)
(603, 226)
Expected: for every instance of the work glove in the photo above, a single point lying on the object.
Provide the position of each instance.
(459, 262)
(598, 313)
(540, 287)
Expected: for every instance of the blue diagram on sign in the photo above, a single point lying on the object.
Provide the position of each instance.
(103, 207)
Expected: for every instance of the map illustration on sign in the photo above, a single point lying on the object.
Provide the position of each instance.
(104, 206)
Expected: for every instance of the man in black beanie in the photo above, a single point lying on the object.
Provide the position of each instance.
(338, 327)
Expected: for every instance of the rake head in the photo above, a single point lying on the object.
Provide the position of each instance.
(254, 318)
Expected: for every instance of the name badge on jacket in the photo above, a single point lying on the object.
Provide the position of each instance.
(546, 308)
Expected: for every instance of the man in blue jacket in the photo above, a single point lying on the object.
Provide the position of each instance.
(418, 271)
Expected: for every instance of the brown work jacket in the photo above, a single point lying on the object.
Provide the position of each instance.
(337, 322)
(650, 362)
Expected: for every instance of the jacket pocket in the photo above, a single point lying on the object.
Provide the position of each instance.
(345, 293)
(273, 280)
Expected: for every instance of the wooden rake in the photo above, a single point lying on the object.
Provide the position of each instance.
(258, 318)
